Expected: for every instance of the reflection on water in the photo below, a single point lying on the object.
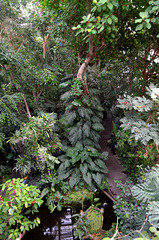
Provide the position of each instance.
(63, 230)
(58, 225)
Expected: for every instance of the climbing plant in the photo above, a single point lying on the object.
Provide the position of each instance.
(83, 115)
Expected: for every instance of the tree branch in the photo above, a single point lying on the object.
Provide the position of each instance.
(27, 108)
(44, 46)
(82, 70)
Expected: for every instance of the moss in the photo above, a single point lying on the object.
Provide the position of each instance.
(95, 219)
(76, 197)
(90, 224)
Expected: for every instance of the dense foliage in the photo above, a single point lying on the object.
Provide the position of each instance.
(64, 65)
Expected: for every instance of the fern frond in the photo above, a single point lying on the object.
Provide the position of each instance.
(153, 211)
(149, 190)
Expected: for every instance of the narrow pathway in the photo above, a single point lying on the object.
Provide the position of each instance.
(116, 171)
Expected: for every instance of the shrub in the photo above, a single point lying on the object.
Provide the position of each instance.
(19, 200)
(136, 158)
(36, 141)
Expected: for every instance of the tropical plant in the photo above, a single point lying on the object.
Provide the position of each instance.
(147, 193)
(141, 116)
(53, 189)
(36, 141)
(131, 212)
(136, 159)
(88, 223)
(83, 115)
(9, 115)
(82, 163)
(148, 17)
(17, 202)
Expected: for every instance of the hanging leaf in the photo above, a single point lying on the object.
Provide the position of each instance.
(84, 156)
(101, 29)
(95, 119)
(86, 100)
(99, 114)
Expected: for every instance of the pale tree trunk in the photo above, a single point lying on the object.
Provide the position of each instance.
(81, 75)
(27, 108)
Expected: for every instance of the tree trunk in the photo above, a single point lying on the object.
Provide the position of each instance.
(81, 75)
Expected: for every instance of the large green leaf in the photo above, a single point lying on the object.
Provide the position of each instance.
(64, 84)
(102, 166)
(78, 146)
(84, 113)
(74, 180)
(63, 158)
(84, 156)
(88, 142)
(88, 178)
(96, 119)
(77, 102)
(95, 136)
(75, 158)
(83, 168)
(44, 192)
(99, 114)
(66, 95)
(86, 100)
(98, 178)
(64, 175)
(70, 117)
(143, 14)
(110, 6)
(98, 127)
(86, 129)
(139, 27)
